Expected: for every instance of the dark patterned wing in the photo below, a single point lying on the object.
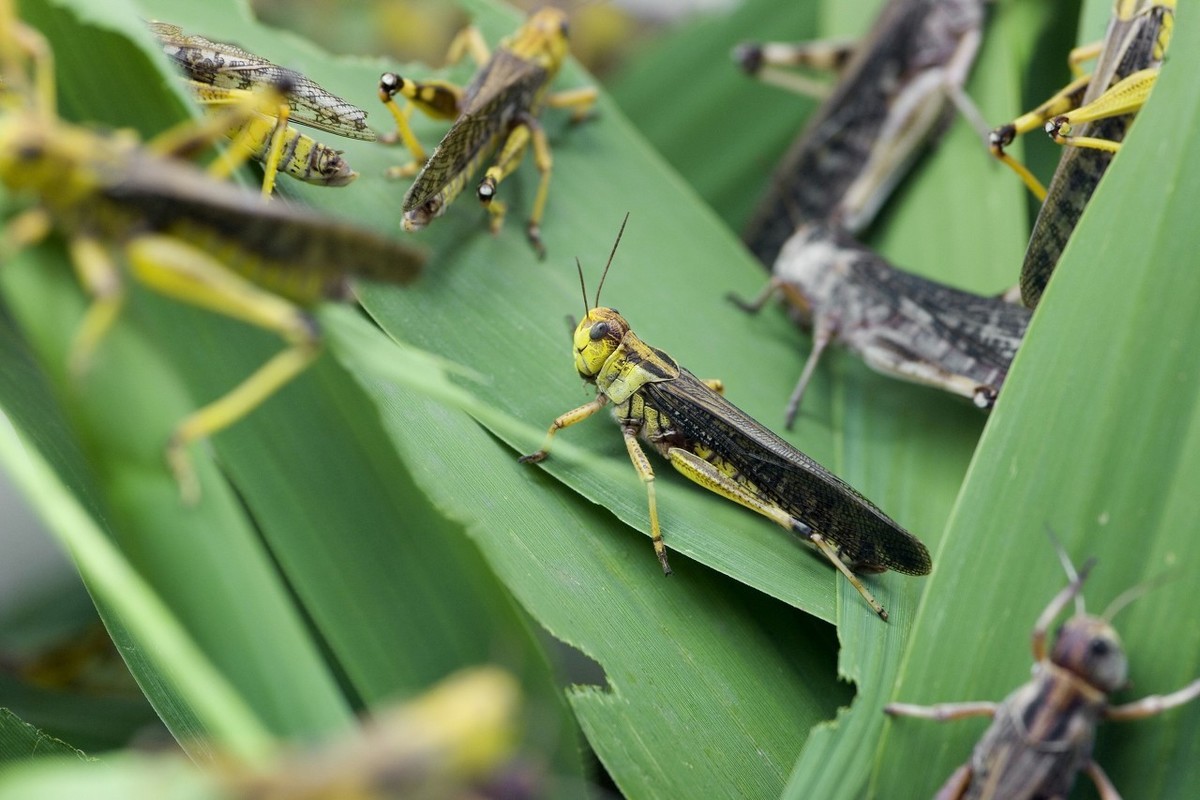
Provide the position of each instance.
(865, 535)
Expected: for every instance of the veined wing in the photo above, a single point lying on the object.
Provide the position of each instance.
(231, 67)
(507, 86)
(794, 481)
(987, 329)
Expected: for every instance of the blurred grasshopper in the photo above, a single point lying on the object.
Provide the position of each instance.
(498, 108)
(715, 444)
(890, 99)
(107, 190)
(221, 74)
(1093, 113)
(900, 324)
(1042, 734)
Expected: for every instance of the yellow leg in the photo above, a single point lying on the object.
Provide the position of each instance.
(468, 41)
(436, 99)
(26, 228)
(544, 162)
(1124, 97)
(186, 273)
(1085, 52)
(1062, 101)
(565, 421)
(702, 472)
(275, 153)
(581, 101)
(506, 162)
(646, 473)
(102, 280)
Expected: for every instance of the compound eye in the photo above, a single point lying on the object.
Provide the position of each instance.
(598, 331)
(566, 30)
(1099, 648)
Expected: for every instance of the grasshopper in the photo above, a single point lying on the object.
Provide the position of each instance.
(717, 445)
(1093, 113)
(221, 74)
(890, 99)
(1042, 734)
(899, 323)
(183, 233)
(498, 108)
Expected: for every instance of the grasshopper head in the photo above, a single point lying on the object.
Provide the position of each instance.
(596, 338)
(809, 267)
(542, 39)
(1089, 647)
(39, 155)
(418, 217)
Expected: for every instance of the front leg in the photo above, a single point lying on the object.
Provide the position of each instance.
(646, 473)
(565, 421)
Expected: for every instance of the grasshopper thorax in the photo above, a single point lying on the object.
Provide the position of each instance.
(1089, 647)
(812, 264)
(596, 338)
(542, 40)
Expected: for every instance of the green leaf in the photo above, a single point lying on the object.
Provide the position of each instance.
(20, 740)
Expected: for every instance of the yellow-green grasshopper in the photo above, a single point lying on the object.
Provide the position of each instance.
(720, 447)
(892, 96)
(221, 74)
(899, 323)
(181, 232)
(1093, 113)
(1042, 734)
(498, 109)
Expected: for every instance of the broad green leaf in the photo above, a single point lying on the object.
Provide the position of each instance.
(1094, 438)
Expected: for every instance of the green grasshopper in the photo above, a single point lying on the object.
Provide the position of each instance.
(1042, 734)
(221, 74)
(182, 233)
(715, 444)
(1093, 113)
(901, 324)
(890, 99)
(498, 108)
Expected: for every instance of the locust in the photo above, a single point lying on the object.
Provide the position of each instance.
(498, 109)
(1042, 734)
(900, 324)
(220, 74)
(182, 233)
(1093, 114)
(717, 445)
(893, 94)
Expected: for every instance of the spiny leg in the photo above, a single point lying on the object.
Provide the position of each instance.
(1104, 786)
(436, 99)
(1060, 102)
(642, 465)
(1154, 704)
(766, 60)
(581, 101)
(943, 712)
(102, 280)
(506, 162)
(822, 336)
(1124, 97)
(712, 478)
(564, 421)
(544, 162)
(186, 273)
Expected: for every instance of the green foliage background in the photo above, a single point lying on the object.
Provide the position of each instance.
(368, 529)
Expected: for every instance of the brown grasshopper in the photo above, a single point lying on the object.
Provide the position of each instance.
(498, 109)
(900, 324)
(891, 97)
(1042, 734)
(1093, 113)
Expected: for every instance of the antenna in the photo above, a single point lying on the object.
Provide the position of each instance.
(582, 288)
(610, 258)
